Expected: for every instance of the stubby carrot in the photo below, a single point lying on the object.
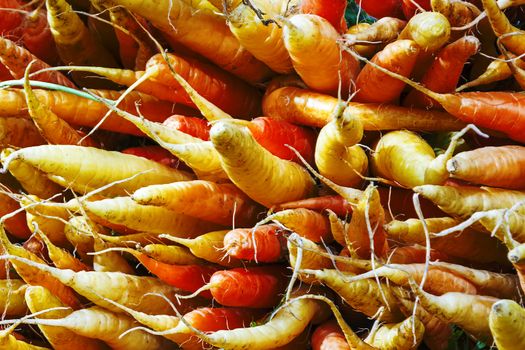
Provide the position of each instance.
(328, 335)
(263, 243)
(264, 177)
(502, 166)
(373, 86)
(304, 107)
(385, 30)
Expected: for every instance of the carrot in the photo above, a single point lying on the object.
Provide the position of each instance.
(316, 57)
(262, 176)
(52, 128)
(497, 70)
(80, 232)
(96, 322)
(263, 40)
(19, 132)
(305, 254)
(170, 254)
(373, 86)
(437, 332)
(363, 295)
(277, 136)
(33, 276)
(9, 340)
(334, 203)
(262, 243)
(411, 7)
(192, 31)
(503, 27)
(365, 232)
(16, 59)
(80, 111)
(39, 299)
(11, 19)
(155, 153)
(193, 126)
(95, 286)
(61, 258)
(31, 179)
(516, 257)
(184, 277)
(404, 335)
(337, 155)
(458, 13)
(305, 107)
(329, 335)
(445, 71)
(470, 312)
(416, 254)
(463, 201)
(467, 245)
(505, 320)
(208, 246)
(430, 31)
(75, 171)
(74, 42)
(288, 323)
(12, 297)
(17, 225)
(408, 160)
(124, 213)
(228, 287)
(307, 223)
(226, 202)
(471, 167)
(384, 30)
(332, 11)
(366, 50)
(104, 260)
(210, 320)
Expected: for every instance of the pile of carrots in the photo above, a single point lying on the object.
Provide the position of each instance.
(262, 174)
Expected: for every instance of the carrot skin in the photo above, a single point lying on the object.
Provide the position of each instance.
(196, 127)
(329, 336)
(331, 10)
(265, 244)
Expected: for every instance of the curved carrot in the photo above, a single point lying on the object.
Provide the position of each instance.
(316, 56)
(384, 31)
(497, 70)
(445, 71)
(304, 107)
(373, 86)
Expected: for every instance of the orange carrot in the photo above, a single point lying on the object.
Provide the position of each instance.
(17, 225)
(263, 243)
(19, 132)
(502, 166)
(445, 71)
(304, 107)
(277, 136)
(334, 203)
(332, 11)
(307, 223)
(329, 335)
(373, 86)
(415, 254)
(16, 59)
(196, 127)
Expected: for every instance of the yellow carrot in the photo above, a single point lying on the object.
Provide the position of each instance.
(506, 324)
(405, 335)
(12, 297)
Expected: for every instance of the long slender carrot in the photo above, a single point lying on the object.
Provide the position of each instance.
(16, 59)
(331, 202)
(374, 86)
(445, 71)
(502, 26)
(316, 57)
(264, 177)
(226, 202)
(304, 107)
(192, 29)
(80, 111)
